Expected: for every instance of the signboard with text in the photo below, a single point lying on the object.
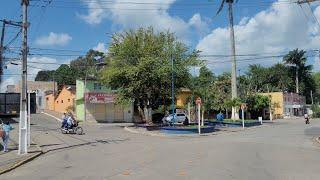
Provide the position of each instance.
(100, 98)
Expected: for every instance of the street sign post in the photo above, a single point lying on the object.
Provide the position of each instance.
(243, 106)
(198, 102)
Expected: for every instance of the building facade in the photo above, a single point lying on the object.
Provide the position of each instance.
(286, 104)
(97, 103)
(64, 101)
(40, 88)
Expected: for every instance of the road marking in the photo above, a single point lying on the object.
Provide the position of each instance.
(52, 116)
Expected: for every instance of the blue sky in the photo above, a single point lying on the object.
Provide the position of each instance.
(263, 26)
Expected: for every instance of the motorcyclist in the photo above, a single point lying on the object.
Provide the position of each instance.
(64, 120)
(306, 117)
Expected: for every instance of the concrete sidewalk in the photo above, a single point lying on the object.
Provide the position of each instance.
(11, 159)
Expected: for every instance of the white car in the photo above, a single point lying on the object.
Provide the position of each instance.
(179, 118)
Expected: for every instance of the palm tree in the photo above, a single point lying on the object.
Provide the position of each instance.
(235, 114)
(297, 60)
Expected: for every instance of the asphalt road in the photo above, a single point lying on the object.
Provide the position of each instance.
(283, 150)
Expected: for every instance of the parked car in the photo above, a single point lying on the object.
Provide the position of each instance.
(177, 118)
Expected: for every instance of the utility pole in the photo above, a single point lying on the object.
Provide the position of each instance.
(1, 48)
(297, 80)
(23, 145)
(235, 114)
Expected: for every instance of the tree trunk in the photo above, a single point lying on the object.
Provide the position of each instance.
(147, 112)
(226, 113)
(141, 113)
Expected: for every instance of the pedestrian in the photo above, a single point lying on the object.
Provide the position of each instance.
(5, 138)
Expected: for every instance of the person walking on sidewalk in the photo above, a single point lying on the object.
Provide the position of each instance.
(6, 128)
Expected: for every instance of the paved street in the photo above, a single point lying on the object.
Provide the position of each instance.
(282, 150)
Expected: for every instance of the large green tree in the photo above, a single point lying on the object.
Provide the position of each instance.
(221, 93)
(201, 87)
(296, 60)
(45, 76)
(141, 67)
(316, 92)
(80, 68)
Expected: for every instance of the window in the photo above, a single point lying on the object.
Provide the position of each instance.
(57, 102)
(97, 86)
(61, 101)
(47, 99)
(68, 100)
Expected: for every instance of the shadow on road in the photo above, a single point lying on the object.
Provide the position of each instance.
(92, 143)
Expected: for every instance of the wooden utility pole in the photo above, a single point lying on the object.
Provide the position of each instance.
(23, 134)
(1, 48)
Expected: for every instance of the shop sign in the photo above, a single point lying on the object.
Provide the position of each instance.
(100, 98)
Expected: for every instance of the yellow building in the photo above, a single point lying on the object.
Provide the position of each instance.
(286, 104)
(182, 97)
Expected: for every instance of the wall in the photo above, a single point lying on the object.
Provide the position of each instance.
(182, 97)
(38, 85)
(49, 102)
(277, 103)
(65, 99)
(109, 112)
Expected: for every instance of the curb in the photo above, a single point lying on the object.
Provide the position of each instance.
(143, 133)
(52, 116)
(191, 135)
(21, 163)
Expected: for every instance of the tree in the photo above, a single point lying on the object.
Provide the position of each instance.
(258, 78)
(140, 67)
(86, 66)
(280, 79)
(256, 103)
(316, 92)
(297, 62)
(201, 88)
(221, 93)
(65, 75)
(79, 68)
(45, 76)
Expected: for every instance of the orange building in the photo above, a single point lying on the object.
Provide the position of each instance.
(50, 102)
(64, 101)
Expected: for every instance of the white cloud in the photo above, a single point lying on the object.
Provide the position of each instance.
(35, 64)
(54, 39)
(139, 14)
(275, 30)
(101, 48)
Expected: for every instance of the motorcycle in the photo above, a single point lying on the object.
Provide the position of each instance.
(75, 129)
(307, 121)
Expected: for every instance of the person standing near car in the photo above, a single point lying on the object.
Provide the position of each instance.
(5, 138)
